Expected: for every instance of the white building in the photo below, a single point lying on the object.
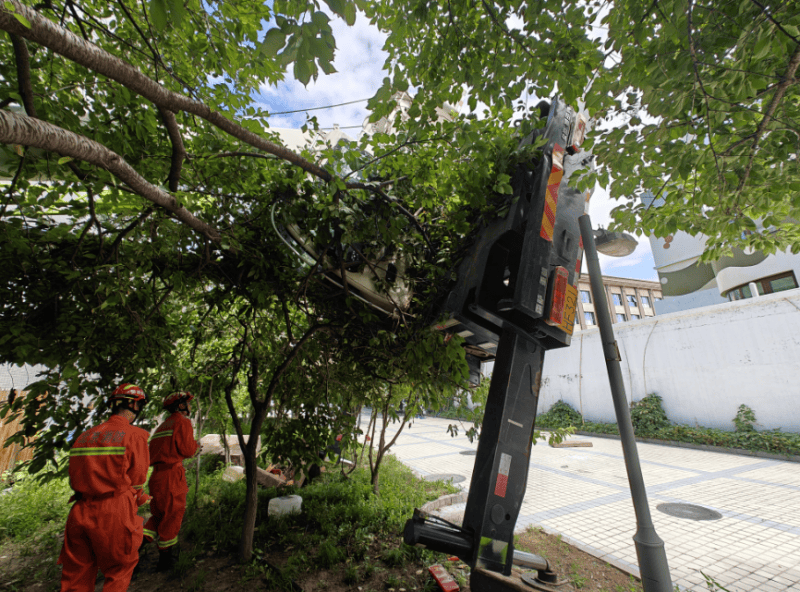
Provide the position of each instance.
(687, 283)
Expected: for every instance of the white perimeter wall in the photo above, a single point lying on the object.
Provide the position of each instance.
(704, 363)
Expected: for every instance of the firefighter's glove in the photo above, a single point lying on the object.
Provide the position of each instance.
(142, 498)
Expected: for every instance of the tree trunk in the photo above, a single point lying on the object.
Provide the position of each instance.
(381, 450)
(251, 504)
(383, 447)
(225, 447)
(199, 422)
(376, 486)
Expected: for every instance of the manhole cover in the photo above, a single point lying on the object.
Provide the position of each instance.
(445, 477)
(469, 452)
(689, 511)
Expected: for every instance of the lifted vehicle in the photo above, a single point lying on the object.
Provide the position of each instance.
(514, 299)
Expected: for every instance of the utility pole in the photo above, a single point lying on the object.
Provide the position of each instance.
(649, 546)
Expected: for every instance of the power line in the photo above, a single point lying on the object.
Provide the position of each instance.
(340, 127)
(317, 108)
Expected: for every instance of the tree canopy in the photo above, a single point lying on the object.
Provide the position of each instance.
(696, 102)
(138, 232)
(142, 177)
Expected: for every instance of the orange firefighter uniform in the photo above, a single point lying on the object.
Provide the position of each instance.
(171, 443)
(107, 469)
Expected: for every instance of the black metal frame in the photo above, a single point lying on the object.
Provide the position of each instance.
(499, 305)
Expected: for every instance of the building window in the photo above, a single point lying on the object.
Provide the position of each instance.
(620, 318)
(632, 300)
(635, 317)
(646, 301)
(589, 318)
(781, 282)
(767, 285)
(617, 299)
(586, 297)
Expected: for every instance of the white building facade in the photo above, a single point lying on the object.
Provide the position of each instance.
(688, 283)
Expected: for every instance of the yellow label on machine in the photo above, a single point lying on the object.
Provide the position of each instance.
(570, 306)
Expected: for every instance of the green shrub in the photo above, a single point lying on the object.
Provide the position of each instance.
(560, 415)
(648, 417)
(31, 505)
(329, 555)
(394, 557)
(744, 438)
(744, 420)
(351, 575)
(600, 428)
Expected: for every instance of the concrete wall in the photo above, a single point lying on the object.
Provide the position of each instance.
(704, 363)
(18, 377)
(672, 304)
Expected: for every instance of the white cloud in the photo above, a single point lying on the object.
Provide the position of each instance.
(637, 265)
(358, 61)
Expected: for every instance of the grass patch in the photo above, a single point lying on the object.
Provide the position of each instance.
(340, 537)
(31, 507)
(342, 530)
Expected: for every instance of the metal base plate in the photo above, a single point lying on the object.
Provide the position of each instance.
(559, 586)
(488, 581)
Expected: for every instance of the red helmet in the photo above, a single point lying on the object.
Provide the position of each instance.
(178, 397)
(128, 392)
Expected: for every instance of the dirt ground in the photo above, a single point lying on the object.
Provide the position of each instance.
(583, 571)
(211, 572)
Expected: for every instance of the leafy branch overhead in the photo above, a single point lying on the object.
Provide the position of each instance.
(695, 102)
(146, 204)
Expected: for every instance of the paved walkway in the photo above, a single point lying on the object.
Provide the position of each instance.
(583, 494)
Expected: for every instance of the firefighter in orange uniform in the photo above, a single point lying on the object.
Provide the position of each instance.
(171, 443)
(107, 469)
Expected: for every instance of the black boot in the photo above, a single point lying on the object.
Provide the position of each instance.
(166, 559)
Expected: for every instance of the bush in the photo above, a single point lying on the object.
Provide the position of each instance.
(650, 421)
(648, 417)
(31, 505)
(744, 420)
(560, 415)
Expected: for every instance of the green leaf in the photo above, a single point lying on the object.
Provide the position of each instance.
(350, 13)
(25, 22)
(65, 159)
(302, 71)
(327, 67)
(158, 14)
(177, 11)
(762, 48)
(320, 19)
(337, 6)
(274, 41)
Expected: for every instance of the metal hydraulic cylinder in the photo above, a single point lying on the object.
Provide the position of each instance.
(500, 475)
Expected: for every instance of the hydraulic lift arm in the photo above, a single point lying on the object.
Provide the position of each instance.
(515, 299)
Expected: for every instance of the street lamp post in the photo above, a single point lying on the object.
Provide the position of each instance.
(649, 546)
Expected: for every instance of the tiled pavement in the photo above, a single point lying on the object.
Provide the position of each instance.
(583, 494)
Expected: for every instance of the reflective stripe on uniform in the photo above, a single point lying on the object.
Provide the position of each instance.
(169, 543)
(160, 434)
(151, 534)
(100, 451)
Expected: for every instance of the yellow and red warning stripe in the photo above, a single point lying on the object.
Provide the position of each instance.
(551, 196)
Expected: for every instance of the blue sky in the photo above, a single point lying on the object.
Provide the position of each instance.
(359, 59)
